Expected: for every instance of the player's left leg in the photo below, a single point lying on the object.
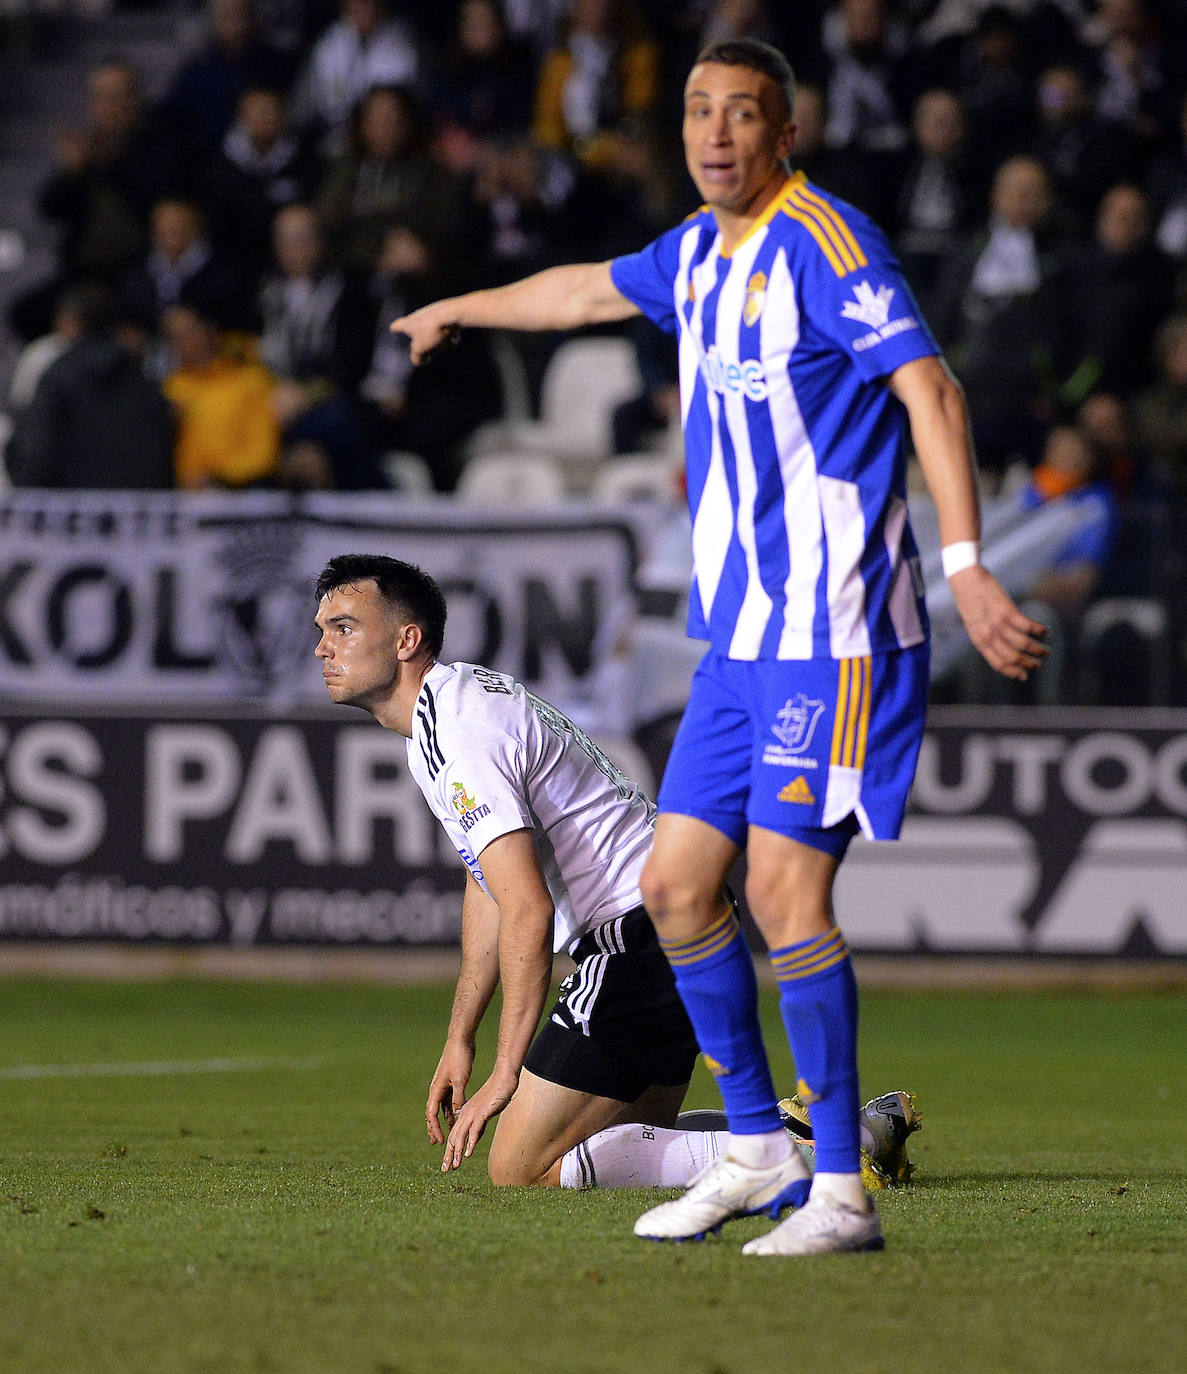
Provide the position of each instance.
(862, 760)
(545, 1121)
(789, 890)
(616, 1049)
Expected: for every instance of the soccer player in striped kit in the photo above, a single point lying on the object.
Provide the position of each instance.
(803, 362)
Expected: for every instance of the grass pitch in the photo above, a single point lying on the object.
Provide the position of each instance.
(250, 1189)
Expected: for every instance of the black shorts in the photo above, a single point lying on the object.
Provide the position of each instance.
(618, 1026)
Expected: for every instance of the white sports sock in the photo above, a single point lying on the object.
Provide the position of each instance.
(846, 1188)
(637, 1156)
(761, 1151)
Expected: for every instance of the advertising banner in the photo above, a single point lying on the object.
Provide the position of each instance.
(1045, 831)
(154, 597)
(1037, 832)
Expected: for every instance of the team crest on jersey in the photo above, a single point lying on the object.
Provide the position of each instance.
(756, 298)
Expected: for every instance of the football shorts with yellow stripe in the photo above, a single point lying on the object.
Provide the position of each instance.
(814, 749)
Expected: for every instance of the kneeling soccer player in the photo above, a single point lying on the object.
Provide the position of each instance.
(554, 838)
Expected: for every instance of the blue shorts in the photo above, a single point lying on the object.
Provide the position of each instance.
(813, 749)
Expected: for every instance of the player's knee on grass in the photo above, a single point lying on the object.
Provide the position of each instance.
(517, 1168)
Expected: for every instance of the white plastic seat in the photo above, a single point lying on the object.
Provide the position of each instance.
(511, 479)
(637, 477)
(408, 473)
(584, 380)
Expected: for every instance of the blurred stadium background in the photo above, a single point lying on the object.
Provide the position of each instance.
(210, 215)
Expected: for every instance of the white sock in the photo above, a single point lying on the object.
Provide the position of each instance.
(637, 1156)
(844, 1188)
(761, 1151)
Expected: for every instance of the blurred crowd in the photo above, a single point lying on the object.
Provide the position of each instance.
(229, 257)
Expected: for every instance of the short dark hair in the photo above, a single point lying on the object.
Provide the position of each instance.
(409, 590)
(758, 57)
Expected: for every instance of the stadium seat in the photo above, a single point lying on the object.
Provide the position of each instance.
(407, 472)
(1125, 652)
(637, 477)
(583, 382)
(511, 479)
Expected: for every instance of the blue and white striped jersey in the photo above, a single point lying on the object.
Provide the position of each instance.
(794, 446)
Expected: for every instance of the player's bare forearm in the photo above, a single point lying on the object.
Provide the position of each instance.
(477, 979)
(557, 298)
(478, 975)
(525, 967)
(1009, 641)
(943, 444)
(526, 914)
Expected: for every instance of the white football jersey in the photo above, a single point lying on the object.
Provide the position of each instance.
(492, 758)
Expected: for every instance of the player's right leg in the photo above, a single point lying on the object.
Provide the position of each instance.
(682, 885)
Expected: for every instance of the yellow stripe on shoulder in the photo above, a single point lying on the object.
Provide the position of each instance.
(835, 218)
(847, 246)
(823, 242)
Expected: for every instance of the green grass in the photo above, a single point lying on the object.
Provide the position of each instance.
(292, 1218)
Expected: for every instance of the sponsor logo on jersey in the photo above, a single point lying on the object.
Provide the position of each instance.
(471, 863)
(873, 308)
(798, 792)
(469, 811)
(870, 307)
(729, 378)
(756, 298)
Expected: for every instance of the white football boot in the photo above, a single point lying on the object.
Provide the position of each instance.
(723, 1190)
(822, 1226)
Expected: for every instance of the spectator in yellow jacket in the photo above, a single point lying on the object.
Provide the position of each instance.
(227, 433)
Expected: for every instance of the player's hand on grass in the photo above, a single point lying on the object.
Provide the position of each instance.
(447, 1091)
(471, 1121)
(1009, 641)
(430, 330)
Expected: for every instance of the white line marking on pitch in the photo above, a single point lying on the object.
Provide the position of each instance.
(153, 1068)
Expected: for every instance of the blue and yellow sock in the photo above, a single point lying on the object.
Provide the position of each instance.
(818, 999)
(715, 978)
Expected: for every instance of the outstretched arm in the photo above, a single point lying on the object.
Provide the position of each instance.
(558, 298)
(525, 908)
(1009, 641)
(477, 979)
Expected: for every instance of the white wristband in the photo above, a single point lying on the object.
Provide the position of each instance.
(954, 558)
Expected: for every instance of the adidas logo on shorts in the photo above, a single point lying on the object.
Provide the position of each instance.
(798, 791)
